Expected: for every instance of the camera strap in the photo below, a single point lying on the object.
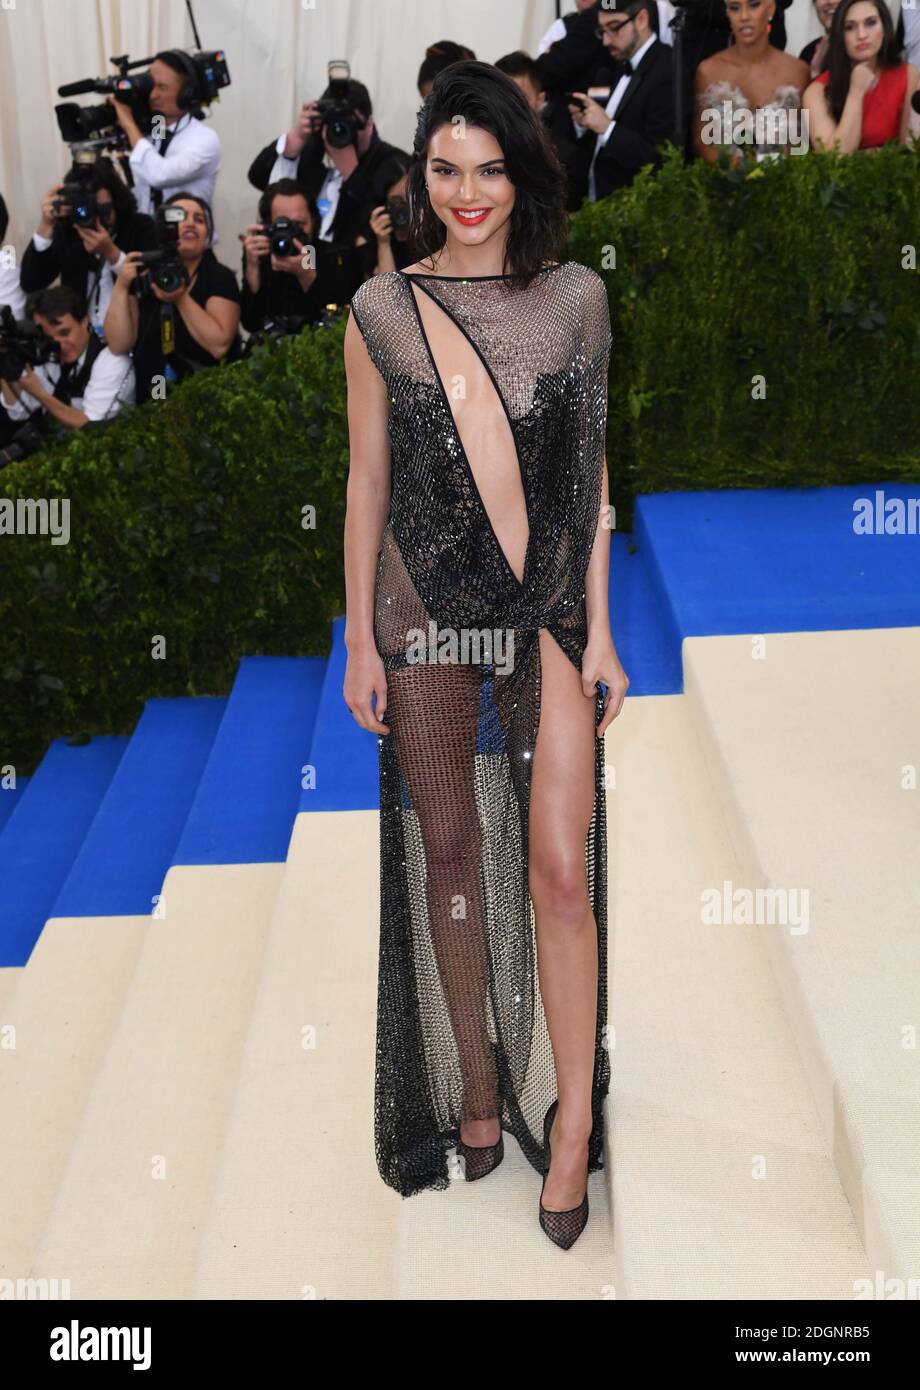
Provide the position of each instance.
(167, 329)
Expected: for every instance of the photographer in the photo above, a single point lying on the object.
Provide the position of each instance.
(11, 291)
(174, 332)
(193, 160)
(90, 382)
(335, 153)
(276, 287)
(86, 251)
(389, 248)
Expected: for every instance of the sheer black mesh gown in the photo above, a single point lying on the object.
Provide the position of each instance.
(495, 392)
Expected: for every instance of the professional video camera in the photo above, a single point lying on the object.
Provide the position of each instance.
(163, 266)
(98, 124)
(281, 234)
(339, 121)
(22, 344)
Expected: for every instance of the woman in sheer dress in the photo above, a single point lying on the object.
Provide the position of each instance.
(477, 542)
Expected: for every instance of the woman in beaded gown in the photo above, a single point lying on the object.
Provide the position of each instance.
(748, 96)
(477, 542)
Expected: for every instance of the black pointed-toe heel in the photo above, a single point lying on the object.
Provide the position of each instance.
(562, 1227)
(480, 1159)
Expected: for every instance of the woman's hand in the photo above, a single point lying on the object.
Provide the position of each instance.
(130, 269)
(364, 677)
(862, 78)
(600, 662)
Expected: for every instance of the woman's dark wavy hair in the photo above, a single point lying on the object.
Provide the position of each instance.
(105, 175)
(840, 64)
(490, 100)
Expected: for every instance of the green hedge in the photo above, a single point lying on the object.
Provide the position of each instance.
(186, 523)
(186, 515)
(791, 270)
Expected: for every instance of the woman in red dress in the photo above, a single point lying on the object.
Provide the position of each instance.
(862, 98)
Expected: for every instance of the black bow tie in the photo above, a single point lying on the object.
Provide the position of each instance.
(627, 65)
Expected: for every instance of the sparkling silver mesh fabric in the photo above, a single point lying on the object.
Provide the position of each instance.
(461, 1032)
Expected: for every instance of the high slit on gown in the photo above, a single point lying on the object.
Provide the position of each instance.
(497, 413)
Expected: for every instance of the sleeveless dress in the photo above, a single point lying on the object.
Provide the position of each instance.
(729, 100)
(461, 1032)
(883, 106)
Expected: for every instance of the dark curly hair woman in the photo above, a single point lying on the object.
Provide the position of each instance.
(477, 546)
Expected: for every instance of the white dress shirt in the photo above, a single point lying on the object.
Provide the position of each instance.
(11, 292)
(616, 96)
(190, 165)
(100, 281)
(111, 385)
(327, 200)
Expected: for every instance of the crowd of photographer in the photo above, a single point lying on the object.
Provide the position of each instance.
(143, 301)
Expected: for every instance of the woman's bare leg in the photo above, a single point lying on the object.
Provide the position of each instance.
(561, 805)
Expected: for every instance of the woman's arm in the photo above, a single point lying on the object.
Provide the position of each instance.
(823, 131)
(366, 510)
(913, 78)
(213, 325)
(123, 314)
(700, 82)
(597, 576)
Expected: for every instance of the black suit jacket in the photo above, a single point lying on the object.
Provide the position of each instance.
(343, 263)
(67, 258)
(644, 120)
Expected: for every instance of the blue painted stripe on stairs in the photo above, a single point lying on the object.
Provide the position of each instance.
(642, 620)
(10, 798)
(245, 807)
(129, 846)
(781, 560)
(343, 755)
(42, 836)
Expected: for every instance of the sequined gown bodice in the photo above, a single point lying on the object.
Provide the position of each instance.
(497, 400)
(725, 97)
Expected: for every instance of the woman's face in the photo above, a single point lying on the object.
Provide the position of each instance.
(749, 19)
(467, 183)
(193, 232)
(862, 32)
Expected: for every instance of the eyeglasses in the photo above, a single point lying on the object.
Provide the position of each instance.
(602, 29)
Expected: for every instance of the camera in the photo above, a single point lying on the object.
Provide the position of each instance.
(78, 206)
(27, 440)
(281, 235)
(339, 122)
(398, 208)
(79, 124)
(22, 344)
(163, 267)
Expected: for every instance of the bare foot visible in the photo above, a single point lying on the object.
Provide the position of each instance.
(566, 1181)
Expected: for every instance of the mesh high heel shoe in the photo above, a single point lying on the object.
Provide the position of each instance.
(480, 1159)
(562, 1227)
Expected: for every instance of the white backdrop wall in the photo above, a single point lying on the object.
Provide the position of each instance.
(277, 52)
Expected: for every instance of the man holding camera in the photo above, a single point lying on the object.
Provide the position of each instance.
(186, 154)
(88, 383)
(280, 285)
(334, 150)
(87, 226)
